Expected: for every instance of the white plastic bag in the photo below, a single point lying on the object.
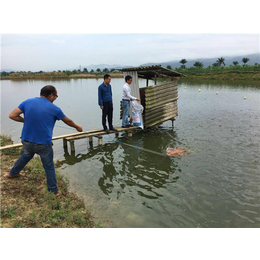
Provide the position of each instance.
(137, 117)
(137, 107)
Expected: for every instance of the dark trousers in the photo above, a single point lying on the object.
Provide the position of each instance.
(107, 111)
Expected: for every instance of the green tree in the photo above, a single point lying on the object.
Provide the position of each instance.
(183, 61)
(4, 74)
(105, 70)
(221, 61)
(169, 67)
(98, 70)
(85, 70)
(92, 71)
(245, 60)
(235, 63)
(198, 64)
(68, 72)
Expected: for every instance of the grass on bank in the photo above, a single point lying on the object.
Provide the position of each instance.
(26, 203)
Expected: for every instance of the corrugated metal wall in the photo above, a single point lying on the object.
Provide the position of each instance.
(161, 103)
(160, 100)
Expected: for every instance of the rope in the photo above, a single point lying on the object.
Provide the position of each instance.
(116, 141)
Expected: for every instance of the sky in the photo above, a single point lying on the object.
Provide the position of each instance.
(48, 52)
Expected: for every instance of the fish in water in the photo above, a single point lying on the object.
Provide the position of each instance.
(178, 151)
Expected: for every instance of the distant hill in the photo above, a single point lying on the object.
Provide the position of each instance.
(8, 70)
(253, 58)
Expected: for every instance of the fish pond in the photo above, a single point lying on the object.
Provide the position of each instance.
(215, 185)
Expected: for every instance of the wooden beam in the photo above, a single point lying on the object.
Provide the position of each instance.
(74, 136)
(11, 146)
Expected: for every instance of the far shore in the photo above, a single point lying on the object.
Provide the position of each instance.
(73, 76)
(213, 75)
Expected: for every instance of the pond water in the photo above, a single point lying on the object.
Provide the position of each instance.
(216, 185)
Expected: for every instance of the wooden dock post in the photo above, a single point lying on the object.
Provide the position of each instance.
(90, 140)
(100, 140)
(65, 144)
(72, 146)
(173, 119)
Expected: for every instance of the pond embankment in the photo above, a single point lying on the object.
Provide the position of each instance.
(17, 76)
(223, 75)
(207, 75)
(26, 203)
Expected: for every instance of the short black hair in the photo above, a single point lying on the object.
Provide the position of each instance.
(48, 90)
(127, 78)
(106, 76)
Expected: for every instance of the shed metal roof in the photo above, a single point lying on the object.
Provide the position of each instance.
(150, 72)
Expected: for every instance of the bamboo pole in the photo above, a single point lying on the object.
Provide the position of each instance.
(11, 146)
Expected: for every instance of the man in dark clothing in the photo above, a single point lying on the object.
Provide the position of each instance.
(106, 103)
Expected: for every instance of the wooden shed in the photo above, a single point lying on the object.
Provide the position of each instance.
(159, 100)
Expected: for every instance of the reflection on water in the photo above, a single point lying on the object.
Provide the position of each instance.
(136, 169)
(127, 176)
(127, 166)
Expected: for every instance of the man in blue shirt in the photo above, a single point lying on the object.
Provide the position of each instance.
(40, 115)
(106, 103)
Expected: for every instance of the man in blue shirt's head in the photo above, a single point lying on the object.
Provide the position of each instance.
(40, 115)
(106, 103)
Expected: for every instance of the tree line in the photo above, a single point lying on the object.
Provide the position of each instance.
(66, 72)
(219, 62)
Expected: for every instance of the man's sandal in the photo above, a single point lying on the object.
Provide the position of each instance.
(14, 176)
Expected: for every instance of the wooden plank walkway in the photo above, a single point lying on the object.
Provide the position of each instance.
(98, 133)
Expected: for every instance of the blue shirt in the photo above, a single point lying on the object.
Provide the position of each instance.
(40, 116)
(104, 94)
